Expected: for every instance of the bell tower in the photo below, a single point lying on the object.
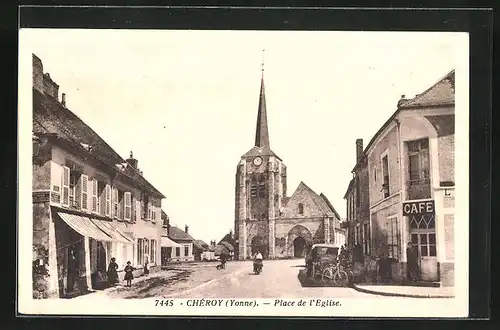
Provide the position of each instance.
(260, 188)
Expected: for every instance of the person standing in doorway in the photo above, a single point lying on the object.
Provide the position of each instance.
(112, 272)
(72, 269)
(412, 263)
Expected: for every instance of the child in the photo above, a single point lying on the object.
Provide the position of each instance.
(128, 274)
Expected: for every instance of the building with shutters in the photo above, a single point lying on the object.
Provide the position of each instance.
(266, 219)
(358, 204)
(89, 204)
(183, 248)
(410, 167)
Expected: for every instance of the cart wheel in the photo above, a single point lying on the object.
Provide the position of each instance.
(327, 276)
(341, 278)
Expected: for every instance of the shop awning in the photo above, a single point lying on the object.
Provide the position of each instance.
(112, 230)
(167, 242)
(84, 226)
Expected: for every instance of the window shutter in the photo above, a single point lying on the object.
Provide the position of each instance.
(108, 200)
(65, 186)
(78, 192)
(94, 185)
(134, 209)
(84, 193)
(137, 210)
(149, 210)
(128, 207)
(114, 205)
(56, 180)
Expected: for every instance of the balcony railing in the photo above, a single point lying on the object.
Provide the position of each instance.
(419, 189)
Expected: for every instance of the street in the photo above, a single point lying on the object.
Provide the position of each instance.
(277, 280)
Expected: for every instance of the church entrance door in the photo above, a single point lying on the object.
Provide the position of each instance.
(299, 247)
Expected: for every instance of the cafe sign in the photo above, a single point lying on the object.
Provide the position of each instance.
(419, 208)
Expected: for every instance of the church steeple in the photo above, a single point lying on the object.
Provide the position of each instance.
(261, 132)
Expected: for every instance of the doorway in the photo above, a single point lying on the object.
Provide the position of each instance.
(299, 247)
(423, 235)
(72, 269)
(258, 245)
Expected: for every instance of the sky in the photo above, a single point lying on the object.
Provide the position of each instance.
(185, 102)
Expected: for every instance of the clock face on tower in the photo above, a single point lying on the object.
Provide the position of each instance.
(257, 161)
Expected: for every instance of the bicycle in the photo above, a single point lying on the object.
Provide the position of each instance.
(335, 273)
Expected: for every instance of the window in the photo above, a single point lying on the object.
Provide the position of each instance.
(102, 197)
(153, 251)
(145, 207)
(108, 200)
(353, 208)
(262, 193)
(140, 251)
(114, 198)
(366, 238)
(301, 208)
(385, 176)
(65, 186)
(426, 243)
(147, 249)
(85, 197)
(253, 188)
(186, 250)
(177, 251)
(128, 205)
(121, 204)
(418, 169)
(357, 192)
(393, 238)
(74, 190)
(375, 174)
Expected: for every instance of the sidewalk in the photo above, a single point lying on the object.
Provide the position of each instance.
(406, 291)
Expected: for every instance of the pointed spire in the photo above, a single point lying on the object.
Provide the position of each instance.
(261, 132)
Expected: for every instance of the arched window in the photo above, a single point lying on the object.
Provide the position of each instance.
(301, 208)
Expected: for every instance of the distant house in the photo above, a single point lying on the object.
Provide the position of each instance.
(167, 245)
(184, 252)
(224, 247)
(227, 245)
(199, 248)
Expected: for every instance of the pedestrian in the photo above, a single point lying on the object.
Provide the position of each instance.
(112, 272)
(223, 259)
(412, 263)
(72, 269)
(129, 273)
(146, 265)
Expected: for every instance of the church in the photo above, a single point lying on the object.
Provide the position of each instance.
(266, 219)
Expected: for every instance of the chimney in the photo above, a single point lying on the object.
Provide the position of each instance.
(133, 162)
(359, 150)
(63, 99)
(402, 100)
(50, 87)
(231, 233)
(37, 74)
(186, 227)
